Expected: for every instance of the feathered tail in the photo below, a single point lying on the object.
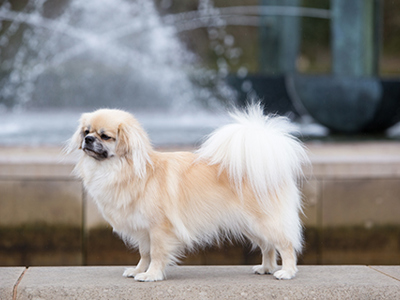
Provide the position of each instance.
(257, 148)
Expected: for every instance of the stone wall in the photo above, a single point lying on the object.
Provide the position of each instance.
(351, 212)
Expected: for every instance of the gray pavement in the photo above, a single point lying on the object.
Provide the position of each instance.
(201, 282)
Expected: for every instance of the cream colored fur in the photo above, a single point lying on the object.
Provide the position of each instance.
(241, 183)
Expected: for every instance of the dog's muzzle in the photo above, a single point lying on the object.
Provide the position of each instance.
(93, 148)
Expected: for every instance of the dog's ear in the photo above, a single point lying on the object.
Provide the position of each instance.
(75, 142)
(133, 143)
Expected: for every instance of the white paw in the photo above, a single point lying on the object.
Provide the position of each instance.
(284, 274)
(149, 276)
(131, 272)
(260, 269)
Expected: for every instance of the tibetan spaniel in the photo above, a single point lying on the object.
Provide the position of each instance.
(241, 183)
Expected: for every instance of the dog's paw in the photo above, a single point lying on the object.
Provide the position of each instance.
(284, 274)
(130, 272)
(148, 277)
(260, 269)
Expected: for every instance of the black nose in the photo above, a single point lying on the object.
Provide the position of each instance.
(89, 139)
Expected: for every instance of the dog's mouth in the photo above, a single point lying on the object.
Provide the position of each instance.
(99, 155)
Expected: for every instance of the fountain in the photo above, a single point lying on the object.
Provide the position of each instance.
(60, 59)
(66, 58)
(113, 52)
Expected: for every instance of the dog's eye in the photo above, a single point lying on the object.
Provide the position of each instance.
(105, 137)
(86, 132)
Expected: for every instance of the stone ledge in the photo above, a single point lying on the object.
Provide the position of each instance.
(201, 282)
(329, 160)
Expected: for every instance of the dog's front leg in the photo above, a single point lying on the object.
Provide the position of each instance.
(163, 245)
(144, 262)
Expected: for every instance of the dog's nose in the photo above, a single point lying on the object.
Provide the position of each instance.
(89, 139)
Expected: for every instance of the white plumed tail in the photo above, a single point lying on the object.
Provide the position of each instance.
(257, 148)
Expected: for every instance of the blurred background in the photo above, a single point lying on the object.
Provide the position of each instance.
(331, 66)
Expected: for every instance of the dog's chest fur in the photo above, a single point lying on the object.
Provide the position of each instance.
(119, 206)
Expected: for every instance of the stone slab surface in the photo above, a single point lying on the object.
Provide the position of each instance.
(8, 279)
(205, 282)
(393, 271)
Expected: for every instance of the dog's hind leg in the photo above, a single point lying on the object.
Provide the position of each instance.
(269, 243)
(289, 261)
(268, 265)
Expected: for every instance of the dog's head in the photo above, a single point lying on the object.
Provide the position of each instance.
(110, 133)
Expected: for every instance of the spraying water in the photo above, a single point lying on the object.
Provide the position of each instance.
(62, 58)
(94, 53)
(83, 55)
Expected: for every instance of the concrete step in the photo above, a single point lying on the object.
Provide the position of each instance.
(201, 282)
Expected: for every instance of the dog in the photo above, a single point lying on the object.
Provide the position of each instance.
(242, 183)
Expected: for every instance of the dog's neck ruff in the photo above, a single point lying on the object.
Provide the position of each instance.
(106, 184)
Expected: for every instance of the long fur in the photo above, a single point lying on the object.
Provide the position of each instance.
(242, 182)
(257, 148)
